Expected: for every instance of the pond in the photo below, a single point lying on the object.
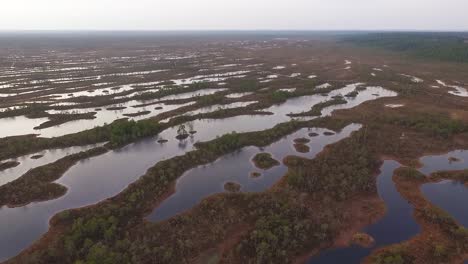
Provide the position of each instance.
(398, 224)
(29, 161)
(449, 195)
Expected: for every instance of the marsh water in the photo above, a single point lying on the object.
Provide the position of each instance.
(29, 161)
(449, 195)
(237, 167)
(398, 224)
(95, 179)
(21, 125)
(98, 178)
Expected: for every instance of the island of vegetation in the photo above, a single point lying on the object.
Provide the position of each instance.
(316, 110)
(37, 156)
(363, 240)
(301, 148)
(8, 165)
(264, 161)
(58, 119)
(255, 174)
(141, 113)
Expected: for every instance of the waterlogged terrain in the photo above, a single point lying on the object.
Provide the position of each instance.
(399, 224)
(238, 167)
(88, 182)
(450, 195)
(28, 162)
(147, 103)
(104, 176)
(106, 116)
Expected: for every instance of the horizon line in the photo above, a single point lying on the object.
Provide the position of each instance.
(233, 30)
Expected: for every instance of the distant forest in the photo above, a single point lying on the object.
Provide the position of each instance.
(439, 46)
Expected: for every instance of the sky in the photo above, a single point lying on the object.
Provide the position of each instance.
(234, 15)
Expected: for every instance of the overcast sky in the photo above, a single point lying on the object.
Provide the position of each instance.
(233, 14)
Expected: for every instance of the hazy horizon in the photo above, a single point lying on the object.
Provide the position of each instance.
(240, 15)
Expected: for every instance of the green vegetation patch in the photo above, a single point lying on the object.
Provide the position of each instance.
(37, 184)
(265, 161)
(395, 255)
(437, 46)
(302, 148)
(301, 140)
(37, 156)
(461, 176)
(141, 113)
(346, 169)
(363, 240)
(410, 173)
(58, 119)
(436, 124)
(8, 165)
(316, 110)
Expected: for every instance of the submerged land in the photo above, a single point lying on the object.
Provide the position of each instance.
(240, 147)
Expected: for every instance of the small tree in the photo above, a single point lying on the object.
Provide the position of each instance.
(182, 132)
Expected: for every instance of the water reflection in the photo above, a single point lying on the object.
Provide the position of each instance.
(206, 180)
(448, 195)
(27, 163)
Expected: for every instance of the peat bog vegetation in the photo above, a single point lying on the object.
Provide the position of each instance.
(234, 148)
